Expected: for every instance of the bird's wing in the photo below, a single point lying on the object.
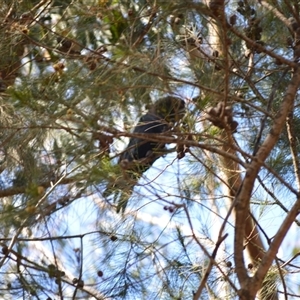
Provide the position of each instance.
(141, 153)
(139, 148)
(138, 156)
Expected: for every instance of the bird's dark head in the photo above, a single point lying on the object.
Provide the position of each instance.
(172, 109)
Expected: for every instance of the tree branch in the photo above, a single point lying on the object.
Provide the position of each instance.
(244, 195)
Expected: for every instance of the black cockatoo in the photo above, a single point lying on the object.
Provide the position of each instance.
(141, 153)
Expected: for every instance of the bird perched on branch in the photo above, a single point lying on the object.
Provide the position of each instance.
(141, 152)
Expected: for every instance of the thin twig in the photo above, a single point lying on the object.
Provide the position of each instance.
(209, 267)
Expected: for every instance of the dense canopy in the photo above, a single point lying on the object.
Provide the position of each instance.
(214, 214)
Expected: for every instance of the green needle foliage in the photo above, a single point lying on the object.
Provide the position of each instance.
(75, 78)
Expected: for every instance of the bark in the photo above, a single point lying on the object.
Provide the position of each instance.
(244, 195)
(246, 232)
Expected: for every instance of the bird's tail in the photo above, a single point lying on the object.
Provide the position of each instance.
(120, 192)
(123, 199)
